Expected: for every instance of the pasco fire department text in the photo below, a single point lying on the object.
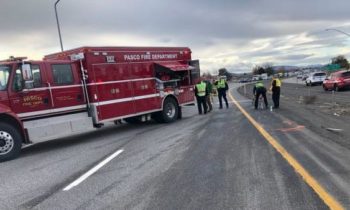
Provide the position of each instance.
(149, 57)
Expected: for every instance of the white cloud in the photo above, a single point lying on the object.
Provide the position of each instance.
(224, 33)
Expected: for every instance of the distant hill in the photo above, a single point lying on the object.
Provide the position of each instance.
(286, 68)
(316, 66)
(237, 73)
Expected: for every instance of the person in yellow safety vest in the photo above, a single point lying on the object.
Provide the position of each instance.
(201, 93)
(276, 91)
(259, 89)
(222, 88)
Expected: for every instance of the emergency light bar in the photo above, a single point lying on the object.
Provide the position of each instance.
(75, 57)
(12, 58)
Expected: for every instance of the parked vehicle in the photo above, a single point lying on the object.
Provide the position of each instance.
(79, 90)
(337, 81)
(315, 78)
(245, 80)
(256, 78)
(264, 76)
(304, 77)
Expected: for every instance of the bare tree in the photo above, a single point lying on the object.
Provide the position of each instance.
(224, 72)
(268, 68)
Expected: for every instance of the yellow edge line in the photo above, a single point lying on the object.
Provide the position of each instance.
(322, 193)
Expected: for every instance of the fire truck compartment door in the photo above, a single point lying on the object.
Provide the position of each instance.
(112, 91)
(175, 66)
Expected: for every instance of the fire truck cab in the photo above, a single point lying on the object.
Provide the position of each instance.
(82, 89)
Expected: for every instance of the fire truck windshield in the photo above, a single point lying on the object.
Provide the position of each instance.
(4, 76)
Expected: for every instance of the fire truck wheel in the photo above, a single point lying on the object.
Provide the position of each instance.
(170, 110)
(10, 142)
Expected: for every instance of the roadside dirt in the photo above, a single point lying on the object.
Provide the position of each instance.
(321, 112)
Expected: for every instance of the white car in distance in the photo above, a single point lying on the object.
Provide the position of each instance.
(315, 78)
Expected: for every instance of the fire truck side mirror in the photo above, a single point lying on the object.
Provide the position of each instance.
(27, 72)
(27, 76)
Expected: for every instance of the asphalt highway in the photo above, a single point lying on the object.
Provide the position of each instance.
(214, 161)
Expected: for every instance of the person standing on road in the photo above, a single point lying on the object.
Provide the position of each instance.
(222, 88)
(201, 92)
(208, 96)
(259, 89)
(276, 91)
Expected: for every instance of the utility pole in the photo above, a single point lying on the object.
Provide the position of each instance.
(58, 25)
(340, 31)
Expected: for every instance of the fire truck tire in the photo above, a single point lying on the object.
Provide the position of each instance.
(179, 116)
(10, 142)
(170, 110)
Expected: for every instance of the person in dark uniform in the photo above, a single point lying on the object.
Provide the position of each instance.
(208, 96)
(222, 88)
(201, 93)
(276, 92)
(259, 89)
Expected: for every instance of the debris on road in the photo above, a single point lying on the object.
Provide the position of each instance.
(309, 99)
(332, 129)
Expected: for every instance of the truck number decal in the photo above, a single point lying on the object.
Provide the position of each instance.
(110, 59)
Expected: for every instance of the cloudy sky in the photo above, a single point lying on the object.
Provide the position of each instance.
(235, 34)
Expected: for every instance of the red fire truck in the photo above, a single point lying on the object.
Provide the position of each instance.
(81, 89)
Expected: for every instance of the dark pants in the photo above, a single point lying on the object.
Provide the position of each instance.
(276, 96)
(257, 95)
(210, 106)
(222, 94)
(201, 101)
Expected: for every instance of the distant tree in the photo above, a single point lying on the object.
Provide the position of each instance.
(257, 70)
(281, 71)
(207, 75)
(224, 72)
(341, 60)
(268, 67)
(261, 70)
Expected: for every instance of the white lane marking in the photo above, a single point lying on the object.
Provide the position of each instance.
(93, 170)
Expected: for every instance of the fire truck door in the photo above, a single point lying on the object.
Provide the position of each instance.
(66, 87)
(114, 92)
(30, 100)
